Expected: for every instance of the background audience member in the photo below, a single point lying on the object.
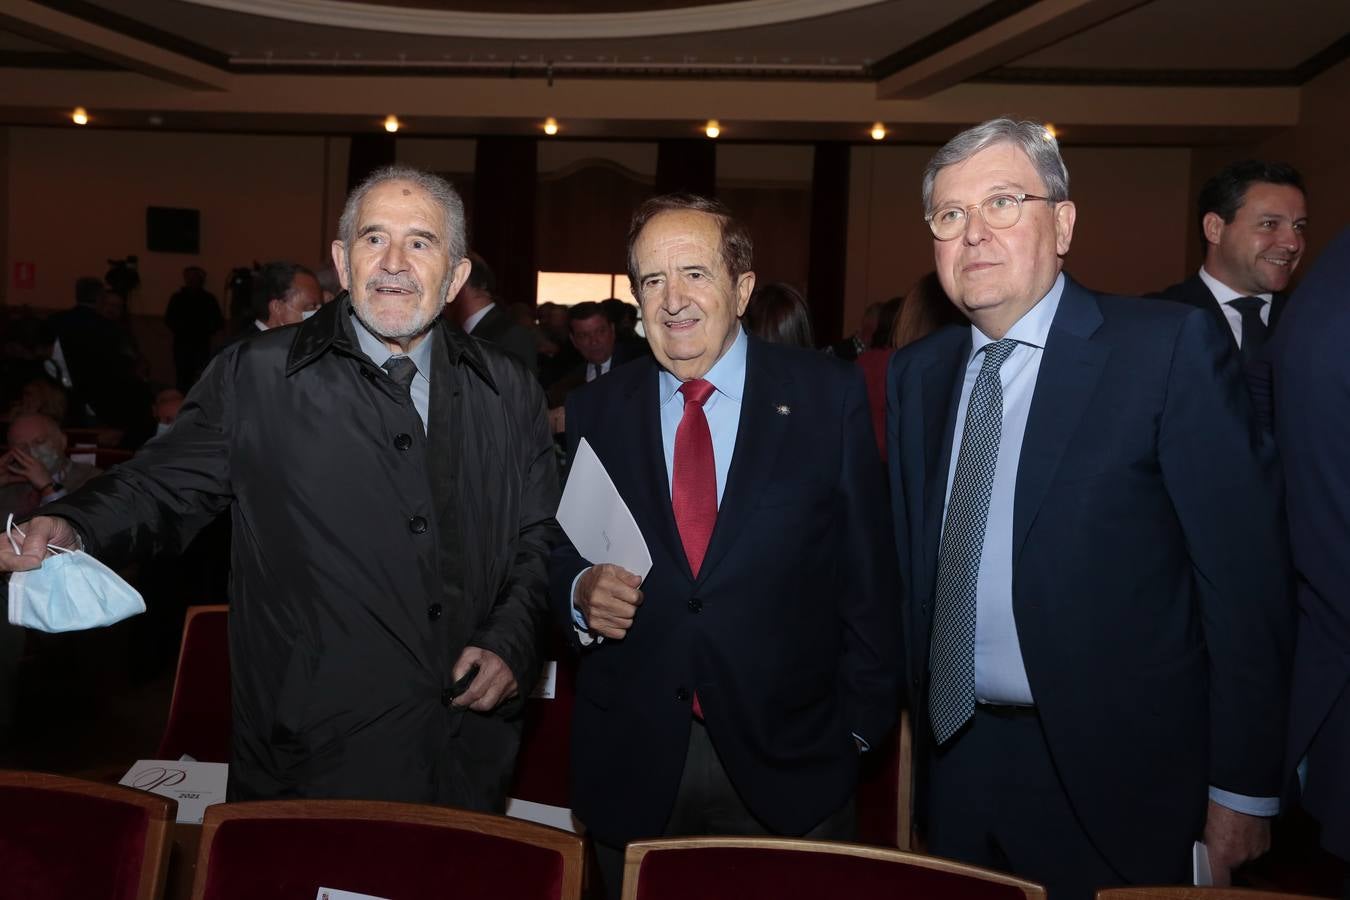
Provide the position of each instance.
(777, 313)
(193, 316)
(1312, 393)
(850, 348)
(475, 310)
(924, 310)
(557, 356)
(35, 469)
(1252, 218)
(284, 293)
(101, 357)
(594, 337)
(874, 362)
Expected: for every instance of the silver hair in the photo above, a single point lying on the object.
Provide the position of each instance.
(440, 190)
(1033, 138)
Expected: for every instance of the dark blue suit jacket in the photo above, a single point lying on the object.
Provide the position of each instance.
(1312, 392)
(1150, 577)
(790, 634)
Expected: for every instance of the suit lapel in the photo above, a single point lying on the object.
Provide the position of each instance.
(759, 437)
(651, 486)
(942, 381)
(1070, 368)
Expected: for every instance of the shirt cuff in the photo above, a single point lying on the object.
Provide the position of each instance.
(578, 620)
(1252, 806)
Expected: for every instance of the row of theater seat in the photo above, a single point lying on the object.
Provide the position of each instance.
(65, 838)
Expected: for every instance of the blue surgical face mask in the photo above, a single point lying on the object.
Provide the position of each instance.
(70, 591)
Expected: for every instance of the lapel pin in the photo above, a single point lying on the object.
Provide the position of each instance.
(783, 409)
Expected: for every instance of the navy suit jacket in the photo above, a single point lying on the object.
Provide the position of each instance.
(1312, 392)
(790, 633)
(1150, 575)
(1195, 292)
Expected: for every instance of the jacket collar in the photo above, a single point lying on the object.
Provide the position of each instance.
(330, 329)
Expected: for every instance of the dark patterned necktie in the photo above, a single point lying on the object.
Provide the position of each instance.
(403, 370)
(1254, 331)
(951, 685)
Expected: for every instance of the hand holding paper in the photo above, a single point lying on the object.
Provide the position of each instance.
(603, 530)
(608, 597)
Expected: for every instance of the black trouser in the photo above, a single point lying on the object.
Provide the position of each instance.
(707, 803)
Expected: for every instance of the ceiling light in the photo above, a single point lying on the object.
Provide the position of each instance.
(712, 129)
(878, 131)
(80, 116)
(1051, 132)
(392, 124)
(550, 126)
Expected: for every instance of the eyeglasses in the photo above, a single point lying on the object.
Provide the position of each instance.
(998, 211)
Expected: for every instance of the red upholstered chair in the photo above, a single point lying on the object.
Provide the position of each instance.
(1192, 893)
(199, 713)
(732, 868)
(544, 765)
(67, 839)
(285, 849)
(885, 796)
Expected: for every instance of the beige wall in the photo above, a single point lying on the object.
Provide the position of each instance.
(78, 198)
(1130, 236)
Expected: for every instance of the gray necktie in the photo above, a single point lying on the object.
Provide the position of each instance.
(403, 370)
(951, 684)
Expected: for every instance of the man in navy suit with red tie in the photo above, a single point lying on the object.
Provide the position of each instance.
(733, 690)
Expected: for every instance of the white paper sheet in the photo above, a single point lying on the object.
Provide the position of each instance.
(195, 785)
(542, 813)
(597, 520)
(333, 894)
(547, 686)
(1200, 871)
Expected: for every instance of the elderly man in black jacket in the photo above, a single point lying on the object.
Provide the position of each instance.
(392, 489)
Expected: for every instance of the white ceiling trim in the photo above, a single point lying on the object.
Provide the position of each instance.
(448, 23)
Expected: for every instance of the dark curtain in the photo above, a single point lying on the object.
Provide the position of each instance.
(829, 241)
(686, 165)
(502, 230)
(369, 152)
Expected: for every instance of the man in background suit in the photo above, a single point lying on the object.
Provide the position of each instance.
(732, 691)
(1252, 217)
(1097, 612)
(1312, 389)
(476, 310)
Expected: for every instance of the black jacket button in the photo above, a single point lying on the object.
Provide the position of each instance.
(417, 525)
(682, 695)
(403, 441)
(446, 697)
(434, 611)
(695, 604)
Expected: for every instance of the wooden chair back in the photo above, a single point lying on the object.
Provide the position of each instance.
(282, 849)
(64, 838)
(723, 868)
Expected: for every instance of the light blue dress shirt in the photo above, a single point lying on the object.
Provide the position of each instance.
(1000, 674)
(723, 412)
(379, 354)
(722, 409)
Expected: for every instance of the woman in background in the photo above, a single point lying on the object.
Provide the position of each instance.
(777, 313)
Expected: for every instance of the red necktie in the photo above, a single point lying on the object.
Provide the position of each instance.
(693, 494)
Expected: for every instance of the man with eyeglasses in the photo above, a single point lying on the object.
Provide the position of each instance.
(1096, 603)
